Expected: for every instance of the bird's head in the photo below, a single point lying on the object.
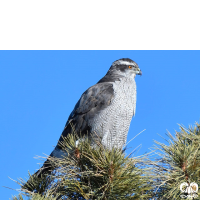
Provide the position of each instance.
(125, 67)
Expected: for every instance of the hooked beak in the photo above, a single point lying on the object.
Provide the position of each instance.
(139, 72)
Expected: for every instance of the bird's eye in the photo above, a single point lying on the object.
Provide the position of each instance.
(130, 67)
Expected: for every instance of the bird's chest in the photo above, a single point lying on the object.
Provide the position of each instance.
(112, 123)
(117, 116)
(124, 100)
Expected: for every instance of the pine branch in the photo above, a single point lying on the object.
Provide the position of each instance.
(91, 171)
(179, 162)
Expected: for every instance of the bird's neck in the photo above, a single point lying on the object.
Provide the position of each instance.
(111, 78)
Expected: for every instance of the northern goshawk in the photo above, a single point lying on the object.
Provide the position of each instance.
(106, 108)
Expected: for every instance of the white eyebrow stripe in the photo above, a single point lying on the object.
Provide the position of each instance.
(122, 62)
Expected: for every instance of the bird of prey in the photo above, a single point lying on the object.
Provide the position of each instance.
(105, 108)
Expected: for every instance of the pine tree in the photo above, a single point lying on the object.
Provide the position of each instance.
(91, 172)
(179, 162)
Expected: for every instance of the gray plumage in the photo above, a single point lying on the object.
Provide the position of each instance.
(106, 108)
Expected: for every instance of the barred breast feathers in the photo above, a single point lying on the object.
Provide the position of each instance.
(113, 122)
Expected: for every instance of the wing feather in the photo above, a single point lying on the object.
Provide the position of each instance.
(92, 101)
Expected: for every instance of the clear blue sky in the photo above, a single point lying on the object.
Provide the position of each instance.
(39, 89)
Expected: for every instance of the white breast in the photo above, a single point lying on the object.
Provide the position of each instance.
(112, 124)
